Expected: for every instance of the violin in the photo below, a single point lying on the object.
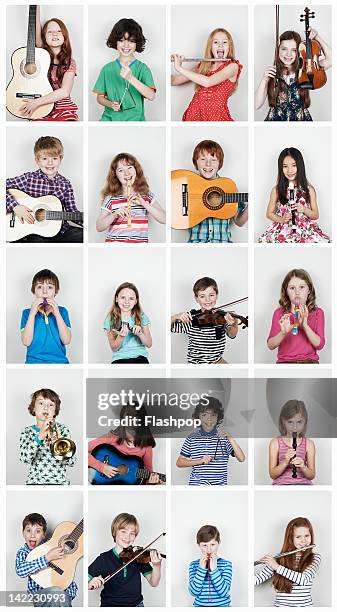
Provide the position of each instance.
(138, 554)
(134, 556)
(217, 316)
(311, 75)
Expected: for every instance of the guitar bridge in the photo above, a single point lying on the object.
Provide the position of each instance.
(184, 195)
(12, 220)
(32, 96)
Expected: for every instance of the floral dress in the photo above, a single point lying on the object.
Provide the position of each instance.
(289, 105)
(306, 230)
(211, 103)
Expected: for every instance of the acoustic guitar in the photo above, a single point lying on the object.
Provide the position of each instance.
(30, 67)
(131, 469)
(194, 198)
(48, 214)
(60, 572)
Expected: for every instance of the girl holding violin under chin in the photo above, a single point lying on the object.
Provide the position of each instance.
(206, 344)
(124, 589)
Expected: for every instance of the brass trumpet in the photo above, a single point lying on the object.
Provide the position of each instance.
(60, 448)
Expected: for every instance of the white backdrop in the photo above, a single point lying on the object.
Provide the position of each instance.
(20, 152)
(149, 509)
(273, 511)
(227, 510)
(55, 507)
(151, 158)
(318, 171)
(264, 48)
(66, 263)
(323, 462)
(237, 472)
(72, 16)
(229, 268)
(234, 142)
(269, 274)
(192, 43)
(69, 386)
(107, 269)
(152, 20)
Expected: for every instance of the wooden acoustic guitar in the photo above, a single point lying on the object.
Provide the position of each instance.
(48, 214)
(194, 198)
(60, 572)
(30, 67)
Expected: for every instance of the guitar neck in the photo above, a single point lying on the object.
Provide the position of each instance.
(53, 215)
(144, 474)
(235, 197)
(77, 532)
(31, 35)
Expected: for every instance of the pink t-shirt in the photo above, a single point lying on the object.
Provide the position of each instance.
(144, 453)
(301, 452)
(298, 348)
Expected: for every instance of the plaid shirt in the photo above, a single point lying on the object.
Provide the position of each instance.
(37, 184)
(25, 568)
(212, 229)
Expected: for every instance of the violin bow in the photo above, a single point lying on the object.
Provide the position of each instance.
(107, 578)
(230, 304)
(224, 305)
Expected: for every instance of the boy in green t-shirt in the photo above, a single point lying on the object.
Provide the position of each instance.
(123, 84)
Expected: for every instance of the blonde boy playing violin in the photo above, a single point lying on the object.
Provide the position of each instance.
(124, 589)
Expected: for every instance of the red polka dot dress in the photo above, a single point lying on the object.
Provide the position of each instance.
(211, 103)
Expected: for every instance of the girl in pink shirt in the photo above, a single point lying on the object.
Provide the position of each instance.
(130, 440)
(292, 455)
(297, 328)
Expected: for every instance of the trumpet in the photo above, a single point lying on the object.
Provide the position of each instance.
(60, 448)
(286, 554)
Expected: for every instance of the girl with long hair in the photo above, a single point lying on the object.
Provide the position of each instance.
(127, 327)
(127, 202)
(292, 575)
(292, 204)
(214, 81)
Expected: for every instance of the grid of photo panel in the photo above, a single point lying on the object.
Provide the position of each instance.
(168, 343)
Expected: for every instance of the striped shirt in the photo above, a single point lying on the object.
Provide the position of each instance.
(210, 589)
(119, 230)
(300, 595)
(26, 568)
(201, 443)
(203, 344)
(65, 109)
(287, 477)
(37, 184)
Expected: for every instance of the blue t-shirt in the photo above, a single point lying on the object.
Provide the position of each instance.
(46, 346)
(131, 346)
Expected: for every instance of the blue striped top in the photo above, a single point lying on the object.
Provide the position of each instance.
(210, 589)
(200, 443)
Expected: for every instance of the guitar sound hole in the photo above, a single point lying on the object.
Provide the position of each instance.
(30, 68)
(69, 544)
(213, 198)
(40, 214)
